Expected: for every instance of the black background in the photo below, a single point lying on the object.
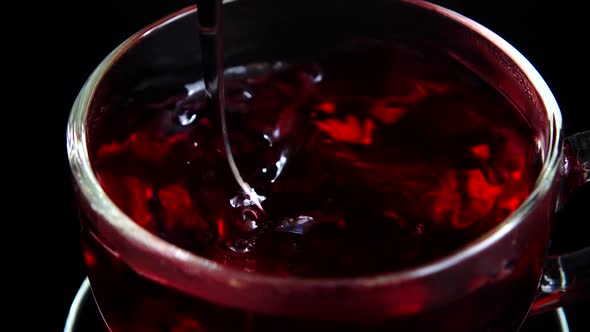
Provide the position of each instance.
(57, 45)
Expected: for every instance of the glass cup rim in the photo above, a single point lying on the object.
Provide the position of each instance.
(141, 239)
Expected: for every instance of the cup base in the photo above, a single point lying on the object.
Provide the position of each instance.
(84, 316)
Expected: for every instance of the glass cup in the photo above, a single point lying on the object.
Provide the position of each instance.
(143, 283)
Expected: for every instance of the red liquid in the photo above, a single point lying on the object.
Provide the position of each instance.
(371, 159)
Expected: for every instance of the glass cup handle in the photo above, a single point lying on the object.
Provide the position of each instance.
(566, 278)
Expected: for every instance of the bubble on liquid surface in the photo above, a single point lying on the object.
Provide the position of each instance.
(196, 87)
(297, 225)
(249, 219)
(254, 71)
(242, 246)
(186, 117)
(249, 213)
(244, 200)
(315, 73)
(187, 111)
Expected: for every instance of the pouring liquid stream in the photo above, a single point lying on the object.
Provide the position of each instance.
(210, 34)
